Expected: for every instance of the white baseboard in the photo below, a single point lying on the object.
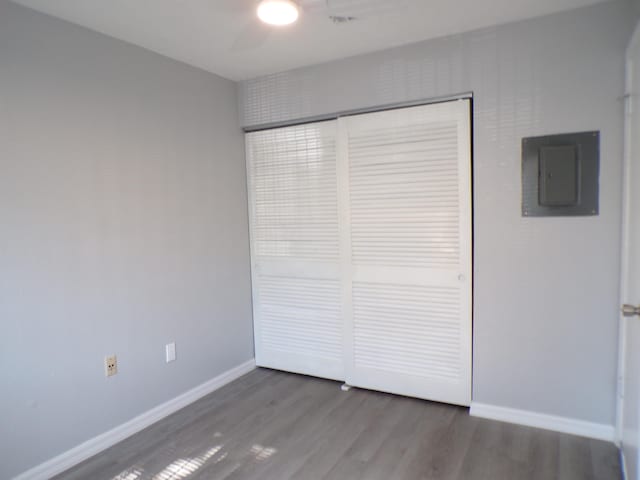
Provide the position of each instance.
(105, 440)
(548, 422)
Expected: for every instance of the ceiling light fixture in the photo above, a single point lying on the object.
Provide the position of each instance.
(278, 12)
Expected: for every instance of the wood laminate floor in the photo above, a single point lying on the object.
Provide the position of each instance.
(270, 425)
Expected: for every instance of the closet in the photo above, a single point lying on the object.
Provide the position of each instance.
(361, 249)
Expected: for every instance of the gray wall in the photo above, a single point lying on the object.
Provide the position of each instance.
(546, 289)
(123, 227)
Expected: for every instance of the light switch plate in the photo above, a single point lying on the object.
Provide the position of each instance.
(170, 350)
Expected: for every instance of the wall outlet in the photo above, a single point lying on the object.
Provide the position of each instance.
(110, 365)
(170, 351)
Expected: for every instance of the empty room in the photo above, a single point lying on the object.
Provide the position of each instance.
(319, 239)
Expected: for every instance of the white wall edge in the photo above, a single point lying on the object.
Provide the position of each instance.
(85, 450)
(572, 426)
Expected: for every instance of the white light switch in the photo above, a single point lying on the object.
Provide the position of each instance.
(170, 349)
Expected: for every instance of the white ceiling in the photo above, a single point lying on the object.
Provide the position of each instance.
(223, 36)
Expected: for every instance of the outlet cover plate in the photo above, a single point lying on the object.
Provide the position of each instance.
(110, 365)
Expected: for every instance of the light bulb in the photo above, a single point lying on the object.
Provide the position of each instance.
(278, 12)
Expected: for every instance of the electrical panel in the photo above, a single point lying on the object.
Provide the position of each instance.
(560, 174)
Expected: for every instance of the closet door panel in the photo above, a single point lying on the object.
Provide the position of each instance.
(293, 210)
(408, 211)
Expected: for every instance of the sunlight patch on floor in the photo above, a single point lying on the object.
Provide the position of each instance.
(129, 474)
(183, 467)
(262, 453)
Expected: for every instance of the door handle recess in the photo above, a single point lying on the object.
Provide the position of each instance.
(630, 310)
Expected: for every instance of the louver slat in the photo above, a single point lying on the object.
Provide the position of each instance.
(404, 196)
(404, 331)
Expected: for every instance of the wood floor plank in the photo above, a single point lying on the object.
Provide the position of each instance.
(605, 460)
(339, 438)
(224, 426)
(398, 442)
(308, 440)
(575, 459)
(439, 447)
(271, 425)
(544, 455)
(273, 440)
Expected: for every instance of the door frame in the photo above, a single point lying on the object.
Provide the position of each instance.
(634, 44)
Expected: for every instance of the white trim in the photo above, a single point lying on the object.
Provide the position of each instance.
(572, 426)
(634, 43)
(78, 454)
(623, 462)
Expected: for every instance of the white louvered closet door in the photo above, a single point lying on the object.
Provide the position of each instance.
(406, 199)
(293, 210)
